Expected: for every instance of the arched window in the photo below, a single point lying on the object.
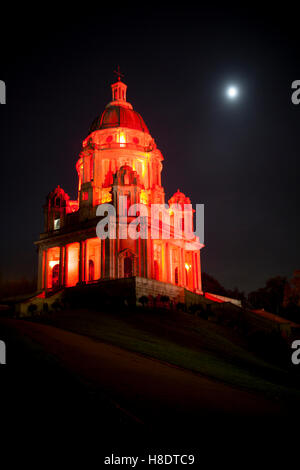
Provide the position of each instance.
(55, 276)
(128, 267)
(176, 275)
(91, 276)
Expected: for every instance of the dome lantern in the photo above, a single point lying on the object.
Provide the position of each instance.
(118, 112)
(119, 89)
(119, 92)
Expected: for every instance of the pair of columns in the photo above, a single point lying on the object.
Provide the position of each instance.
(167, 276)
(43, 273)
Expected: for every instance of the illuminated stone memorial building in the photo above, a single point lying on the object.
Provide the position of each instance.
(119, 157)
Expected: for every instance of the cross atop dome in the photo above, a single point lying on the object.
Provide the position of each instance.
(119, 88)
(118, 73)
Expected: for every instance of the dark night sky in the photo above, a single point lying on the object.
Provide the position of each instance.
(240, 159)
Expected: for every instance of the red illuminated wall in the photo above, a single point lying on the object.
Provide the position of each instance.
(72, 270)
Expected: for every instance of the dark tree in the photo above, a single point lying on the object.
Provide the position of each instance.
(270, 297)
(211, 285)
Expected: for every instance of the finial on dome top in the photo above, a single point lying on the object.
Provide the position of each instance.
(118, 73)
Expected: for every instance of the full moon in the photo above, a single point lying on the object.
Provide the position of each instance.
(232, 92)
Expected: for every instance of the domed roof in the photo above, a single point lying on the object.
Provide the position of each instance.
(179, 198)
(119, 116)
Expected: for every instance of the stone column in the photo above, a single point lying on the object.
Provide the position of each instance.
(100, 256)
(84, 276)
(163, 259)
(199, 271)
(182, 267)
(60, 266)
(81, 248)
(46, 269)
(112, 248)
(168, 262)
(66, 266)
(195, 270)
(148, 256)
(63, 281)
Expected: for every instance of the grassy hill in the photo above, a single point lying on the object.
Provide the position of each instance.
(187, 341)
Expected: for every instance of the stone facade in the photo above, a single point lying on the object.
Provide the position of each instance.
(119, 162)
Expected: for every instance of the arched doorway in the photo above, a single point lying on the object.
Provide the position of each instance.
(128, 266)
(55, 276)
(91, 276)
(176, 275)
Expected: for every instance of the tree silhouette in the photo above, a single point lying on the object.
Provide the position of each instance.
(270, 297)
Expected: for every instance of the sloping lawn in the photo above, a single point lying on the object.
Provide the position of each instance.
(185, 341)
